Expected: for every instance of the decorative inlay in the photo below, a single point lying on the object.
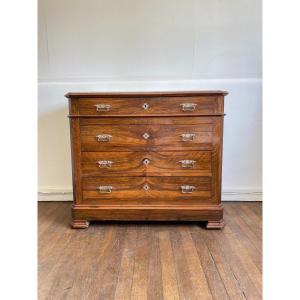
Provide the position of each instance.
(146, 136)
(146, 106)
(146, 187)
(146, 161)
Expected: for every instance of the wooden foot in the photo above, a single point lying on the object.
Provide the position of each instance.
(215, 224)
(80, 224)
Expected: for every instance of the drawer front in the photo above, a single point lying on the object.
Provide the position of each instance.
(143, 137)
(151, 106)
(162, 163)
(147, 190)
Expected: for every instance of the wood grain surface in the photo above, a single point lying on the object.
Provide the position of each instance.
(154, 105)
(150, 163)
(160, 190)
(155, 261)
(132, 137)
(133, 154)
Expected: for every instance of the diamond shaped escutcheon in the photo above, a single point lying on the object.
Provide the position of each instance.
(146, 106)
(146, 161)
(146, 136)
(146, 187)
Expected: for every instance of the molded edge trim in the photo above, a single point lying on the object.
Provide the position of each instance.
(144, 94)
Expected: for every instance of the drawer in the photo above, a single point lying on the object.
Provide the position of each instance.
(144, 137)
(162, 163)
(189, 105)
(147, 190)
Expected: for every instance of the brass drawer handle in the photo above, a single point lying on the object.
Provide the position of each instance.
(105, 189)
(105, 163)
(187, 189)
(104, 137)
(103, 107)
(186, 137)
(188, 106)
(187, 163)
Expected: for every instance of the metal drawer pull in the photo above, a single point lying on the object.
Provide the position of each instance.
(105, 189)
(146, 187)
(104, 137)
(146, 136)
(146, 106)
(187, 189)
(146, 161)
(186, 137)
(187, 163)
(105, 163)
(103, 107)
(188, 106)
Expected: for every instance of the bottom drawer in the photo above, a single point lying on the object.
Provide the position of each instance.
(147, 190)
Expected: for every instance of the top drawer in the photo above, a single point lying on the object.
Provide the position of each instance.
(145, 106)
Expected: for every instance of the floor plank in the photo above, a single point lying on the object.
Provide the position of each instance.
(228, 277)
(154, 284)
(215, 282)
(246, 237)
(124, 284)
(197, 267)
(131, 260)
(141, 264)
(169, 280)
(183, 275)
(240, 269)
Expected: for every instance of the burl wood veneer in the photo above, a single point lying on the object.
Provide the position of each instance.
(147, 156)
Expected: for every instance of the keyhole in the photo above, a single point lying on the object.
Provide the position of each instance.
(146, 135)
(146, 106)
(146, 161)
(146, 187)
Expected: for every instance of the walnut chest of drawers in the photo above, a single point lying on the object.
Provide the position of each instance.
(147, 156)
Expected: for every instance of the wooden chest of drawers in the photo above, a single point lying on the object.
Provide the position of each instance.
(147, 156)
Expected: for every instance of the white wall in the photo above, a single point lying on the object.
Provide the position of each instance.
(102, 45)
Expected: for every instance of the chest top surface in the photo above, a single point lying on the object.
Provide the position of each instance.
(144, 94)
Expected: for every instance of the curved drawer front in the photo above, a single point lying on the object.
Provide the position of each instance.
(162, 163)
(150, 106)
(147, 190)
(143, 137)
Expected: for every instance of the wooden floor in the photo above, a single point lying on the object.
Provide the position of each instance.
(150, 260)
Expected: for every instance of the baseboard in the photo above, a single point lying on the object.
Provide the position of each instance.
(227, 195)
(242, 195)
(55, 196)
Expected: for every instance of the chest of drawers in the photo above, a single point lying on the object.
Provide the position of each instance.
(147, 156)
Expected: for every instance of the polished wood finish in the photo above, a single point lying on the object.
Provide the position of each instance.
(147, 156)
(131, 137)
(147, 260)
(143, 94)
(147, 191)
(162, 163)
(80, 224)
(215, 224)
(154, 105)
(204, 121)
